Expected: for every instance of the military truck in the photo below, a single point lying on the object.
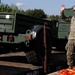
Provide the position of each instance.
(24, 33)
(20, 32)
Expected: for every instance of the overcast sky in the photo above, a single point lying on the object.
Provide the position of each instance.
(50, 7)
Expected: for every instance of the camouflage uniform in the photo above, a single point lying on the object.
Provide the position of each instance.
(71, 43)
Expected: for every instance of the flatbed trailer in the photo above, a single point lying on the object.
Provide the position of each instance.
(14, 68)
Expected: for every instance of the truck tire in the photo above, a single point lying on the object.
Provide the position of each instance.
(39, 46)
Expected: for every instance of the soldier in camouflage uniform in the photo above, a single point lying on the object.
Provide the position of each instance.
(71, 42)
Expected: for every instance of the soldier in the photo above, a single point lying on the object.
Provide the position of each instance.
(71, 42)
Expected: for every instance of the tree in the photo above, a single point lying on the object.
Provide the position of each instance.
(53, 17)
(39, 13)
(12, 8)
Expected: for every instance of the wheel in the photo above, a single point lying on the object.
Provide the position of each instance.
(39, 46)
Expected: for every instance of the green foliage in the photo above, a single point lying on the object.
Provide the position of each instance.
(53, 17)
(39, 13)
(12, 8)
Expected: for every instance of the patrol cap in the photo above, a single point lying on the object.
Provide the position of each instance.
(74, 8)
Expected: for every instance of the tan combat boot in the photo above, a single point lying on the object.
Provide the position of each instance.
(70, 66)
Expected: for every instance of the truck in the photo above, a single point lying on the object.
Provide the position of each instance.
(36, 37)
(20, 32)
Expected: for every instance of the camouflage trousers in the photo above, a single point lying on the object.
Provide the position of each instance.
(70, 49)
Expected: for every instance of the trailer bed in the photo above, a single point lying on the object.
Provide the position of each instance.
(14, 68)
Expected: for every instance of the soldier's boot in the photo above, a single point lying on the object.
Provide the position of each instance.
(70, 66)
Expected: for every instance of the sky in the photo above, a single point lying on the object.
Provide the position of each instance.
(50, 7)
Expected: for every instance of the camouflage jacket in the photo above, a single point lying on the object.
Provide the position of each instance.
(72, 29)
